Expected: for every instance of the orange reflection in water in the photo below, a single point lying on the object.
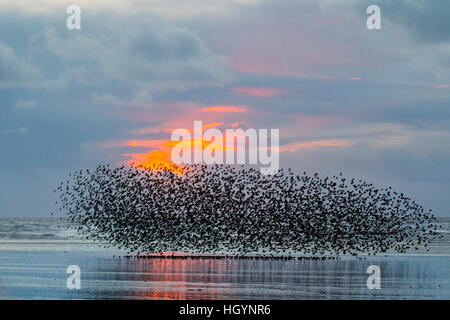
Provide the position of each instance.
(182, 279)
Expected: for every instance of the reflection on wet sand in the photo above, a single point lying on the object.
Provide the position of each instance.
(402, 278)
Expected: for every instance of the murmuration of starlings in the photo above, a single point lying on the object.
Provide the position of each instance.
(222, 208)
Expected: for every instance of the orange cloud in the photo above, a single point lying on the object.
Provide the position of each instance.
(187, 143)
(206, 126)
(226, 108)
(213, 125)
(156, 160)
(142, 143)
(259, 92)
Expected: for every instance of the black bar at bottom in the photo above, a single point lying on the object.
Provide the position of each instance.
(226, 309)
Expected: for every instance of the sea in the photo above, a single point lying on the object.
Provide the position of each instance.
(37, 253)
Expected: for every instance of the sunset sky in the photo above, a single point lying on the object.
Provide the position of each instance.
(373, 104)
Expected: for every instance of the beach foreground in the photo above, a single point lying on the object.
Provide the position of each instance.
(35, 253)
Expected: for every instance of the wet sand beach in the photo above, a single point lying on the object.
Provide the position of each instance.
(35, 253)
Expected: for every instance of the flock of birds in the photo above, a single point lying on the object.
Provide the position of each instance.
(228, 209)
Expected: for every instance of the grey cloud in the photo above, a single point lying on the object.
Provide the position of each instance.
(428, 20)
(26, 104)
(125, 57)
(14, 71)
(19, 131)
(144, 55)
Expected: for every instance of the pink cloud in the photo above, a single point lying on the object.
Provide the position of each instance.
(292, 147)
(293, 51)
(259, 91)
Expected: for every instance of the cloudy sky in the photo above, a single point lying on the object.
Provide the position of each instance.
(373, 104)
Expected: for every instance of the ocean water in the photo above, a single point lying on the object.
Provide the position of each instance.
(35, 253)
